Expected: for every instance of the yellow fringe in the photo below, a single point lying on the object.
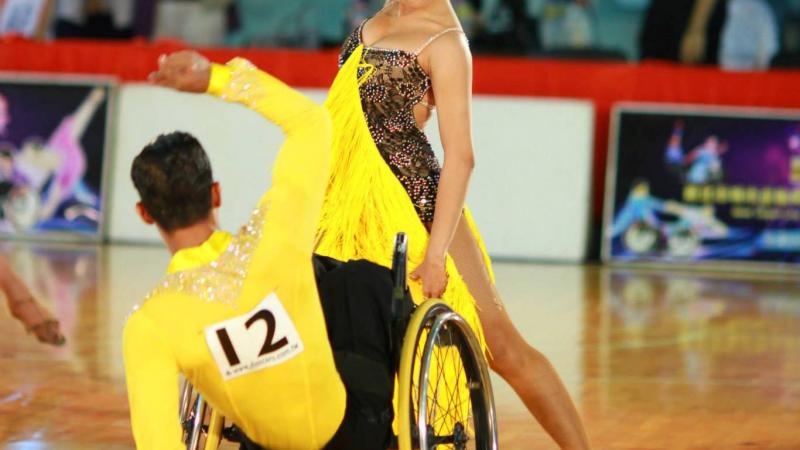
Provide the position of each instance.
(366, 205)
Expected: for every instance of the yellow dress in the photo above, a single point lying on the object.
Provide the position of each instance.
(239, 316)
(366, 205)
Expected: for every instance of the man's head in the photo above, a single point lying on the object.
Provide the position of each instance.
(175, 183)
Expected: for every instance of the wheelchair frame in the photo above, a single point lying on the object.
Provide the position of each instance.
(421, 331)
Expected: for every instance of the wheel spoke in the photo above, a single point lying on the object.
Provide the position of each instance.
(452, 386)
(455, 407)
(447, 416)
(442, 379)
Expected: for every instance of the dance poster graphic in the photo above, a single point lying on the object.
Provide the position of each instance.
(52, 157)
(689, 185)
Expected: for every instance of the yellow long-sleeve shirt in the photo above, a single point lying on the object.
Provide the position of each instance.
(239, 316)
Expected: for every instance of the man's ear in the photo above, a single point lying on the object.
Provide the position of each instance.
(216, 195)
(143, 214)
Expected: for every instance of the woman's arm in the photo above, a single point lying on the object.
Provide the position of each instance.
(25, 308)
(451, 76)
(10, 284)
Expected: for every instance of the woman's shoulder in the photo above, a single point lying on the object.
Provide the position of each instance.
(445, 39)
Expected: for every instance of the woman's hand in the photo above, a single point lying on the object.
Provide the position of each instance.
(186, 71)
(433, 276)
(37, 320)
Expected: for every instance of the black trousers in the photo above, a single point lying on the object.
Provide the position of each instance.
(356, 299)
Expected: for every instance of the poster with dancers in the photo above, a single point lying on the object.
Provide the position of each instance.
(53, 140)
(693, 184)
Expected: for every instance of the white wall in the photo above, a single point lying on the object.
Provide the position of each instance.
(530, 193)
(531, 190)
(239, 142)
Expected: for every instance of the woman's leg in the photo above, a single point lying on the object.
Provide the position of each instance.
(523, 367)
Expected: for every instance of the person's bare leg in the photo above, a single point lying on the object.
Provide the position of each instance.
(528, 372)
(26, 309)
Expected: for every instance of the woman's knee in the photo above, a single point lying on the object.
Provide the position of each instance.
(515, 357)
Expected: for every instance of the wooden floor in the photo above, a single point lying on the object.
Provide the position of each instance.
(654, 360)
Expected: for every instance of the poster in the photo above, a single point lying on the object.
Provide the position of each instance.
(703, 184)
(53, 139)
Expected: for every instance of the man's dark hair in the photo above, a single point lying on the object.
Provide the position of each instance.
(173, 177)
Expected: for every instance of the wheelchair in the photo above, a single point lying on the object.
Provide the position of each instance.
(444, 394)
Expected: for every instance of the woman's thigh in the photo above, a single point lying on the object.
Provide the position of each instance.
(497, 326)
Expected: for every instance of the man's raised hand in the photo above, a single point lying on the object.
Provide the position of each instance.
(186, 71)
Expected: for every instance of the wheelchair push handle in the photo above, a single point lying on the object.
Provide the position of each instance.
(401, 306)
(400, 262)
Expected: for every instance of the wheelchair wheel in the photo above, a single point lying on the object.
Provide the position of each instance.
(445, 394)
(641, 238)
(683, 244)
(202, 425)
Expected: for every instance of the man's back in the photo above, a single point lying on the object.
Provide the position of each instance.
(240, 316)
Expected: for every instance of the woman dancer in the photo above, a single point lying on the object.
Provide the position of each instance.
(385, 178)
(26, 309)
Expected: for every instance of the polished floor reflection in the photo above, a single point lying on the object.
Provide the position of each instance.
(654, 359)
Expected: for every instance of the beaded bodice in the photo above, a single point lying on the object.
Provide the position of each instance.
(396, 84)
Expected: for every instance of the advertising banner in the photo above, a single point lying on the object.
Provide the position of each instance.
(699, 184)
(53, 140)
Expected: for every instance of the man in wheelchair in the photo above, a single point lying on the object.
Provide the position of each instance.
(294, 364)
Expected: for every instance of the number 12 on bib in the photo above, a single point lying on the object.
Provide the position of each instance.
(261, 338)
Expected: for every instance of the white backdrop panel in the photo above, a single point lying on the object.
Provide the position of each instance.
(240, 143)
(531, 189)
